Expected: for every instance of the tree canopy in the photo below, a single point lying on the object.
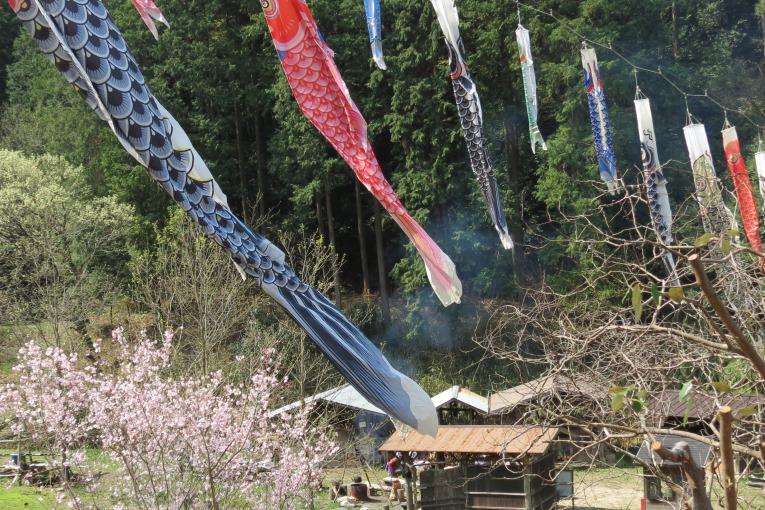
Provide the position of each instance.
(216, 70)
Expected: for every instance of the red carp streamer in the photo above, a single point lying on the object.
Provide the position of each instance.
(323, 97)
(747, 206)
(149, 14)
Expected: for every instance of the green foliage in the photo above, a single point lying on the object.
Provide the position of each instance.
(62, 250)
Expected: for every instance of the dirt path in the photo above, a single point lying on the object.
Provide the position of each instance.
(606, 489)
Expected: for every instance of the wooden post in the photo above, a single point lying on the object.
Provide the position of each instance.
(410, 487)
(762, 455)
(527, 489)
(725, 417)
(695, 475)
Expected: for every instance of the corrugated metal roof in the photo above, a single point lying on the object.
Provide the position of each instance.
(462, 395)
(511, 440)
(345, 395)
(699, 451)
(503, 401)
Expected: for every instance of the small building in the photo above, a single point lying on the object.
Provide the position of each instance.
(483, 467)
(657, 494)
(511, 405)
(697, 411)
(361, 427)
(531, 402)
(460, 406)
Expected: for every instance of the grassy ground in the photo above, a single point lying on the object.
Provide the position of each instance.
(26, 498)
(622, 489)
(597, 489)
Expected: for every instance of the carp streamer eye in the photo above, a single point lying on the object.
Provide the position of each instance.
(269, 8)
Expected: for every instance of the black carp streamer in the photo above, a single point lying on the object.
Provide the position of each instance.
(471, 117)
(86, 46)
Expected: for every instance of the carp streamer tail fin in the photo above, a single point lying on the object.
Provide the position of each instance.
(440, 269)
(357, 359)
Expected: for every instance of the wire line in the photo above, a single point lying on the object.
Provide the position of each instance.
(657, 72)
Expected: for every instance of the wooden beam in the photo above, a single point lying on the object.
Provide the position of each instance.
(725, 417)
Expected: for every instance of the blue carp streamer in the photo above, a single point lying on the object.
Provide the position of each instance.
(374, 25)
(601, 124)
(655, 182)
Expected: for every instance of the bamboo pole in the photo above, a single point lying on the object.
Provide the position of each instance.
(725, 417)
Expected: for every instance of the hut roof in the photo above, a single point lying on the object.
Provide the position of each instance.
(475, 439)
(463, 396)
(345, 396)
(698, 406)
(554, 384)
(699, 451)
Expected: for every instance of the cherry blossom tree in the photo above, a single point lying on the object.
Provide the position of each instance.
(194, 442)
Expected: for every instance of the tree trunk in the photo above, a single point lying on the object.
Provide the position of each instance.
(261, 162)
(725, 419)
(762, 24)
(675, 37)
(362, 239)
(695, 475)
(332, 241)
(80, 326)
(319, 215)
(240, 154)
(514, 182)
(381, 273)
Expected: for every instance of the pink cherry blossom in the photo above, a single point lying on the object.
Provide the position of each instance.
(179, 442)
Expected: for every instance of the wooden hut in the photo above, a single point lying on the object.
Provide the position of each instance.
(484, 467)
(658, 495)
(528, 403)
(460, 406)
(697, 413)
